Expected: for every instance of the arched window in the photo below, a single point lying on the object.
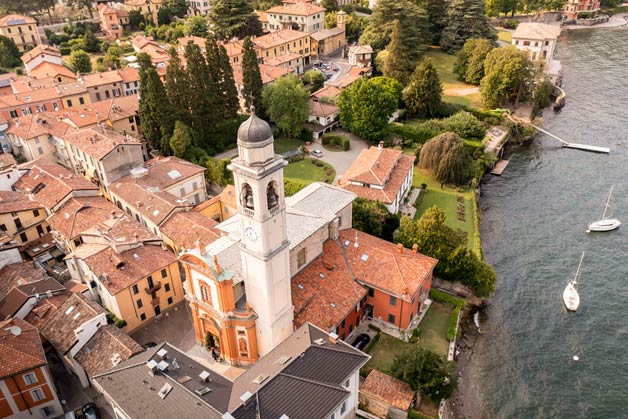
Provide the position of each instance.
(246, 196)
(205, 296)
(272, 198)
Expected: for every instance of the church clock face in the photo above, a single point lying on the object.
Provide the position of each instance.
(251, 234)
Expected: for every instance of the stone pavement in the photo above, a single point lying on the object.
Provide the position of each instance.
(341, 160)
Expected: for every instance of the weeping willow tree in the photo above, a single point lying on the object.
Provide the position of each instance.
(446, 157)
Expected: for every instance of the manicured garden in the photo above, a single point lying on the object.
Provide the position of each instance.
(383, 352)
(433, 328)
(454, 90)
(505, 36)
(309, 170)
(447, 198)
(283, 144)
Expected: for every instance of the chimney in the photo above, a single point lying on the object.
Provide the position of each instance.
(415, 248)
(380, 145)
(400, 248)
(333, 338)
(216, 265)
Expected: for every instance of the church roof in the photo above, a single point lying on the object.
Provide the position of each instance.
(254, 130)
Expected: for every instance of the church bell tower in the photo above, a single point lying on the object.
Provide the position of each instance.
(264, 248)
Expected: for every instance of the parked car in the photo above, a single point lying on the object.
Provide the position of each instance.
(90, 411)
(316, 153)
(149, 345)
(361, 341)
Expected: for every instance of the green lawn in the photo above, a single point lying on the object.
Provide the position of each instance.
(306, 172)
(384, 351)
(454, 90)
(446, 199)
(505, 36)
(433, 328)
(283, 144)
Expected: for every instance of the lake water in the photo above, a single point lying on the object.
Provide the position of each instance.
(533, 226)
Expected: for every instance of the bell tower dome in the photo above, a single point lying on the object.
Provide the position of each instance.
(264, 247)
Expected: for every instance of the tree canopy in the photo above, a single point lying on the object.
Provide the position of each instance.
(424, 92)
(470, 59)
(436, 17)
(446, 156)
(313, 80)
(9, 53)
(181, 139)
(373, 218)
(396, 62)
(234, 18)
(465, 19)
(80, 61)
(286, 103)
(196, 26)
(365, 109)
(426, 372)
(508, 76)
(251, 77)
(178, 8)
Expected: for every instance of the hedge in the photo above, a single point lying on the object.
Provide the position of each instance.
(413, 414)
(473, 146)
(415, 134)
(363, 9)
(306, 134)
(333, 139)
(453, 322)
(373, 341)
(443, 297)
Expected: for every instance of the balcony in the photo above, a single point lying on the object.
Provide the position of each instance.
(154, 302)
(156, 287)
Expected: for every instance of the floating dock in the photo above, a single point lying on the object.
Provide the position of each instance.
(585, 147)
(499, 167)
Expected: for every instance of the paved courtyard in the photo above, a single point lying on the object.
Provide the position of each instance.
(341, 160)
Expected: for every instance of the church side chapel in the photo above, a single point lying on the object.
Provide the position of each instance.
(281, 262)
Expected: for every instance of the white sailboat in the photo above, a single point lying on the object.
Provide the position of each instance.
(605, 224)
(570, 294)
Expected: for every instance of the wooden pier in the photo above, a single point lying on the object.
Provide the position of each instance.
(499, 167)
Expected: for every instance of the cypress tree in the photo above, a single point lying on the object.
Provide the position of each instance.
(424, 92)
(466, 19)
(396, 63)
(203, 108)
(178, 87)
(228, 87)
(437, 18)
(251, 77)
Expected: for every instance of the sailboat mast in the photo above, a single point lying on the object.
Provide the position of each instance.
(608, 200)
(575, 278)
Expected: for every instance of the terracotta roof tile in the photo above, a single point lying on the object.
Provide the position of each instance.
(388, 389)
(34, 125)
(195, 39)
(186, 228)
(168, 171)
(40, 49)
(19, 274)
(325, 300)
(327, 91)
(99, 353)
(7, 160)
(60, 328)
(45, 308)
(100, 78)
(297, 9)
(22, 352)
(48, 69)
(129, 74)
(50, 184)
(153, 203)
(113, 109)
(281, 37)
(98, 144)
(388, 267)
(138, 263)
(15, 19)
(19, 294)
(81, 213)
(322, 109)
(385, 167)
(15, 202)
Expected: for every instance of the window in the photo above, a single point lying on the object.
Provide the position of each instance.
(29, 378)
(169, 300)
(40, 231)
(3, 227)
(37, 394)
(151, 284)
(69, 102)
(167, 287)
(55, 106)
(139, 303)
(347, 383)
(81, 100)
(301, 257)
(371, 292)
(391, 318)
(135, 289)
(526, 43)
(343, 323)
(35, 213)
(182, 192)
(97, 96)
(142, 317)
(546, 43)
(164, 273)
(107, 94)
(13, 114)
(40, 150)
(205, 294)
(393, 301)
(47, 410)
(343, 408)
(26, 111)
(23, 237)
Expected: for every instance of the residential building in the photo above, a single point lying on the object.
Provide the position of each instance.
(158, 55)
(103, 155)
(221, 207)
(130, 80)
(187, 228)
(56, 71)
(380, 174)
(182, 42)
(385, 396)
(310, 375)
(103, 85)
(304, 17)
(22, 219)
(360, 56)
(329, 92)
(282, 42)
(22, 298)
(324, 117)
(539, 40)
(328, 41)
(576, 9)
(33, 135)
(198, 7)
(9, 172)
(112, 20)
(118, 114)
(17, 273)
(128, 269)
(84, 343)
(145, 7)
(26, 386)
(42, 54)
(52, 186)
(23, 104)
(20, 29)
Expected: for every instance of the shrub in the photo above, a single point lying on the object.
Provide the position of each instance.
(306, 134)
(416, 134)
(291, 187)
(447, 109)
(443, 297)
(511, 24)
(453, 322)
(346, 144)
(364, 10)
(465, 125)
(423, 186)
(413, 414)
(473, 146)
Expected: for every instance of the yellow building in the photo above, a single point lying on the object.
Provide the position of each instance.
(281, 43)
(119, 114)
(145, 7)
(220, 207)
(32, 136)
(22, 219)
(21, 29)
(128, 269)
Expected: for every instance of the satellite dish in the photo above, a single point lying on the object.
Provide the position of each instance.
(15, 330)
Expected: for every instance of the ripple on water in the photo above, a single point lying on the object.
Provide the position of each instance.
(533, 222)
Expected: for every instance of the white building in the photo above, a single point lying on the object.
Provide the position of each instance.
(539, 39)
(304, 17)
